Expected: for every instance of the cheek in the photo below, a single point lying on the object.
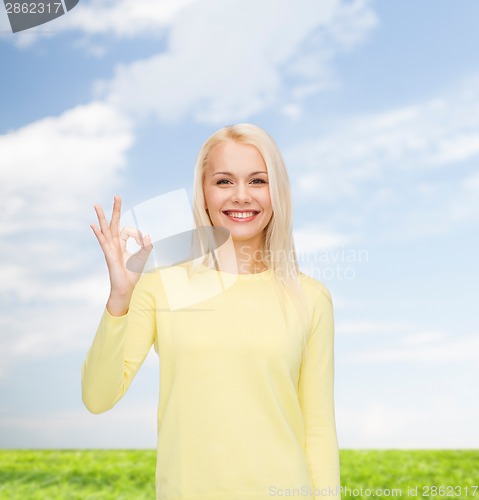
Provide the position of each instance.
(207, 196)
(267, 201)
(213, 199)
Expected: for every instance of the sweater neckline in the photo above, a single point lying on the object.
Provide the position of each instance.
(242, 277)
(248, 276)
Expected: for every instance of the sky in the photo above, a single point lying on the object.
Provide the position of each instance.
(375, 107)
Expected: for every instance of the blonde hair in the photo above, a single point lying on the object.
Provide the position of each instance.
(278, 245)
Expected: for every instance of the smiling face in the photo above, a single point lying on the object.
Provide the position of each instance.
(236, 192)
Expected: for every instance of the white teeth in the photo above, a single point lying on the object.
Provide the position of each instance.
(240, 215)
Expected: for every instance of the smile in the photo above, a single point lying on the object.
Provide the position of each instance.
(241, 216)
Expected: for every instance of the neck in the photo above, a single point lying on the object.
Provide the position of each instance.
(241, 258)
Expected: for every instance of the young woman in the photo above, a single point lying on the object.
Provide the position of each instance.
(246, 407)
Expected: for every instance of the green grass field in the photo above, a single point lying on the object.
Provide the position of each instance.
(129, 474)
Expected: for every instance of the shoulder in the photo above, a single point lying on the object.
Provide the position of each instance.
(314, 288)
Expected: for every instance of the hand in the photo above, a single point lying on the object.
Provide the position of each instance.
(123, 277)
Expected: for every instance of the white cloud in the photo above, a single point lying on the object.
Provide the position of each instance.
(371, 327)
(118, 18)
(292, 111)
(410, 343)
(464, 205)
(362, 148)
(407, 334)
(388, 168)
(380, 425)
(21, 282)
(124, 18)
(46, 315)
(233, 64)
(242, 58)
(423, 338)
(423, 347)
(52, 169)
(127, 425)
(365, 148)
(312, 238)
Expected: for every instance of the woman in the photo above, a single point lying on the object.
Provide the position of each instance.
(246, 404)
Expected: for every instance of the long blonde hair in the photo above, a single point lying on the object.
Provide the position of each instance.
(278, 244)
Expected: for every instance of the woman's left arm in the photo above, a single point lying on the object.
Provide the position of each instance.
(316, 397)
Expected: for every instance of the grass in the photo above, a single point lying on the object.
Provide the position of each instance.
(130, 474)
(407, 469)
(77, 474)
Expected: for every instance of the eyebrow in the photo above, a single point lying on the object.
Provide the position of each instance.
(229, 173)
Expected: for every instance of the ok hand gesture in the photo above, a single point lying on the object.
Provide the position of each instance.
(123, 277)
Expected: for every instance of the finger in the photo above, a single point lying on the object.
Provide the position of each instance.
(147, 241)
(115, 216)
(102, 220)
(131, 232)
(125, 234)
(123, 238)
(136, 263)
(99, 236)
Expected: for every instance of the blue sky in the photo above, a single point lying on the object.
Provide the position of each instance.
(375, 106)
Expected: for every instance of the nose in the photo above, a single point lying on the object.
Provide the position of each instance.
(241, 194)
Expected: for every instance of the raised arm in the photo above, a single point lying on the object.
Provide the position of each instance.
(119, 348)
(316, 396)
(127, 327)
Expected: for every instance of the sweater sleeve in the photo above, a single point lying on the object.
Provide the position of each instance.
(119, 348)
(316, 396)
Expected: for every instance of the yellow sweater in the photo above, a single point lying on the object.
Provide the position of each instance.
(243, 414)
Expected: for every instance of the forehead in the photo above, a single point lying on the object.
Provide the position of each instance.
(233, 154)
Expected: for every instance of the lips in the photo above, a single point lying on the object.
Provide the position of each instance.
(240, 211)
(241, 215)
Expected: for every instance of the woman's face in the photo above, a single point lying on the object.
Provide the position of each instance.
(236, 191)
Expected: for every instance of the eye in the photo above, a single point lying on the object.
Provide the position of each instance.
(253, 181)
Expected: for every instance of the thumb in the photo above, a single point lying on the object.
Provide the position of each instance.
(147, 242)
(137, 261)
